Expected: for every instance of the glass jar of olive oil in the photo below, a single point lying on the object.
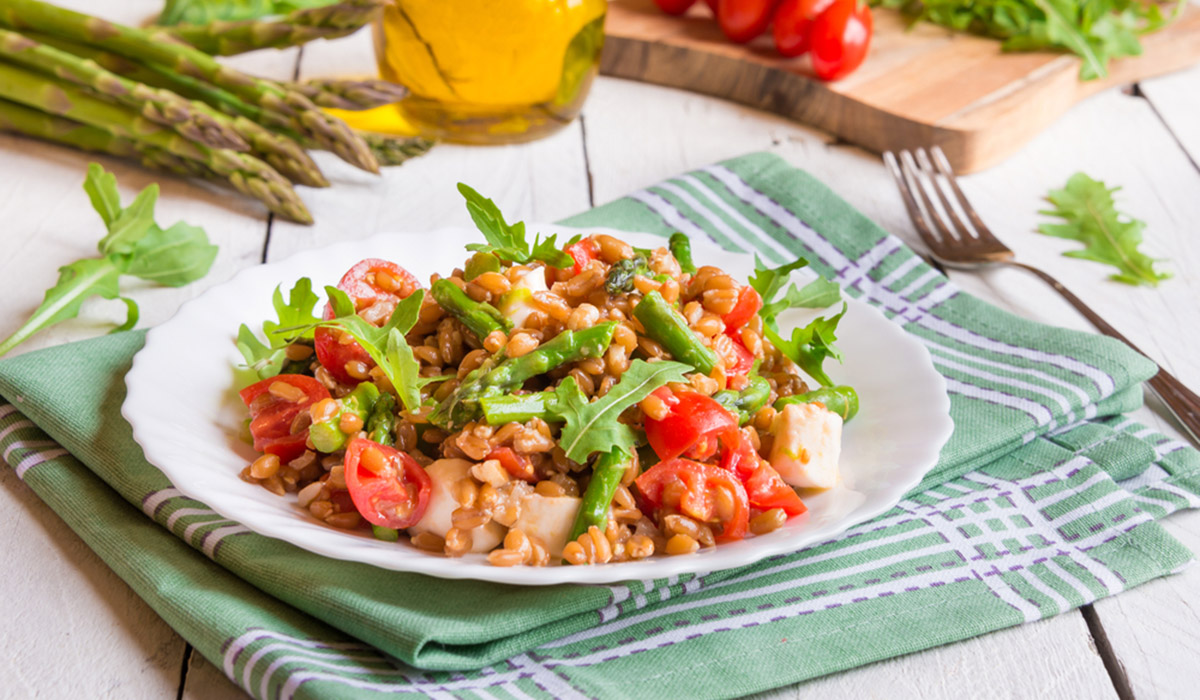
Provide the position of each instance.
(487, 71)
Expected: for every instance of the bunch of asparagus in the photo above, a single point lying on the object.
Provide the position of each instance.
(79, 80)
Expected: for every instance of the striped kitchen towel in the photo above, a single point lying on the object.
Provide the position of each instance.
(1044, 499)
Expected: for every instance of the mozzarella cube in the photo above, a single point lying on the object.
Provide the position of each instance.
(517, 302)
(548, 520)
(808, 443)
(445, 473)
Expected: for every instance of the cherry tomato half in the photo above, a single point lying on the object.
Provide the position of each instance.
(272, 413)
(362, 284)
(693, 425)
(582, 253)
(674, 7)
(745, 358)
(748, 304)
(742, 20)
(388, 487)
(698, 495)
(765, 488)
(518, 466)
(839, 38)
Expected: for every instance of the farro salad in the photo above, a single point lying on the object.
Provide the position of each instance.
(581, 403)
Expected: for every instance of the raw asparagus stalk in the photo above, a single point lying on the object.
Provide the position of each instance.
(281, 150)
(664, 324)
(227, 38)
(205, 11)
(161, 106)
(480, 318)
(597, 499)
(508, 375)
(245, 172)
(281, 106)
(393, 150)
(351, 94)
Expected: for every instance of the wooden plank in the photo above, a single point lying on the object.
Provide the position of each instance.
(1176, 98)
(627, 149)
(918, 87)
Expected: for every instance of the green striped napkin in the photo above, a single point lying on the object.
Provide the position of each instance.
(1045, 499)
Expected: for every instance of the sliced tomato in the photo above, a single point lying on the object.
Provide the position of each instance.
(765, 488)
(273, 413)
(393, 492)
(362, 284)
(748, 303)
(674, 7)
(583, 252)
(698, 495)
(519, 466)
(745, 358)
(693, 425)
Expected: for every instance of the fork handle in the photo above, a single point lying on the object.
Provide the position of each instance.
(1183, 402)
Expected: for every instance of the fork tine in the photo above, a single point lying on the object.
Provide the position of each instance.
(964, 232)
(909, 166)
(914, 211)
(943, 166)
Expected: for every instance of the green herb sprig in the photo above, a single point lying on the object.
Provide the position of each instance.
(810, 346)
(506, 241)
(134, 245)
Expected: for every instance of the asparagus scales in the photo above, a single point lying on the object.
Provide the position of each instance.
(228, 38)
(283, 107)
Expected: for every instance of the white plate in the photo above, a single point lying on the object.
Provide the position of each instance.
(186, 416)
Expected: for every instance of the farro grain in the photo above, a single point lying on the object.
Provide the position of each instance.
(347, 521)
(520, 344)
(321, 509)
(681, 544)
(428, 542)
(286, 392)
(768, 521)
(458, 542)
(298, 352)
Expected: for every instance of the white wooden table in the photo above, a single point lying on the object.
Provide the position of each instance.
(74, 629)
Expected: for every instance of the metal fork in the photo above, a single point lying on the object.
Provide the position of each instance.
(975, 246)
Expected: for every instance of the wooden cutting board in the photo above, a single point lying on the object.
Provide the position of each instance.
(920, 86)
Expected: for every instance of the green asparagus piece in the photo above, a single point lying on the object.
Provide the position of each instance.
(747, 401)
(681, 248)
(664, 324)
(597, 499)
(280, 150)
(507, 375)
(281, 106)
(161, 106)
(382, 420)
(479, 317)
(352, 94)
(842, 400)
(205, 11)
(230, 37)
(327, 435)
(395, 150)
(386, 534)
(519, 408)
(245, 172)
(480, 263)
(621, 274)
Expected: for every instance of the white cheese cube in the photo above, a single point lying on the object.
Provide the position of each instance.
(808, 443)
(517, 302)
(445, 473)
(548, 520)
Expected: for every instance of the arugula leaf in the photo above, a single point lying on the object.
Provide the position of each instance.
(1109, 237)
(809, 346)
(505, 241)
(264, 360)
(817, 294)
(297, 311)
(134, 245)
(594, 427)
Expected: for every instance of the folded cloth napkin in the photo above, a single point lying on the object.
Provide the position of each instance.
(1044, 499)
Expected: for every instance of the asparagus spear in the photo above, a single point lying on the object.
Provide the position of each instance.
(502, 377)
(747, 401)
(282, 107)
(664, 324)
(681, 249)
(352, 94)
(227, 38)
(382, 420)
(279, 150)
(327, 435)
(205, 11)
(597, 499)
(245, 172)
(480, 318)
(842, 400)
(161, 106)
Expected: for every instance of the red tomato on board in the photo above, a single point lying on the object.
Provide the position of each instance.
(742, 20)
(748, 304)
(839, 38)
(360, 283)
(271, 416)
(700, 483)
(582, 253)
(693, 425)
(674, 7)
(397, 495)
(518, 466)
(765, 489)
(793, 24)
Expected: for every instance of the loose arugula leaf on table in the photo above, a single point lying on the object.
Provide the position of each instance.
(506, 241)
(296, 322)
(594, 427)
(133, 245)
(809, 346)
(1110, 237)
